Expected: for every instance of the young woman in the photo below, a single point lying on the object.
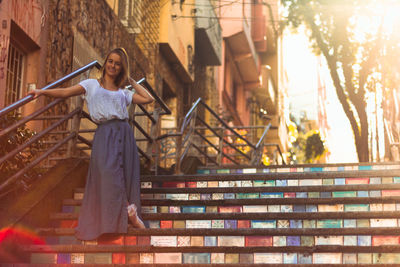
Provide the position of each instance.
(112, 193)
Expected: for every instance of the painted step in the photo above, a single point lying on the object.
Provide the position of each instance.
(258, 205)
(274, 176)
(238, 248)
(231, 214)
(236, 237)
(301, 168)
(192, 241)
(376, 231)
(377, 203)
(314, 191)
(385, 190)
(283, 216)
(219, 264)
(258, 220)
(88, 254)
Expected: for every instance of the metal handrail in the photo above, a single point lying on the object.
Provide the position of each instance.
(279, 150)
(266, 129)
(189, 115)
(195, 106)
(162, 104)
(183, 147)
(68, 77)
(227, 126)
(223, 140)
(142, 131)
(260, 143)
(392, 142)
(237, 127)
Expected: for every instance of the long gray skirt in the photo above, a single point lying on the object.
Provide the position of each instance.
(113, 180)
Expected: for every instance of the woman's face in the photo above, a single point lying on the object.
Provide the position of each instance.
(113, 65)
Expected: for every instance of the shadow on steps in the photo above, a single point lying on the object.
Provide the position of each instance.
(30, 210)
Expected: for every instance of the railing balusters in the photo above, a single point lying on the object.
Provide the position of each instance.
(184, 137)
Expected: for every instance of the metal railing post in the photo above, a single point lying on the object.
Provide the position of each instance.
(72, 150)
(178, 154)
(153, 148)
(221, 147)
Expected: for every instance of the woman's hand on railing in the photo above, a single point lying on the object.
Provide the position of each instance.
(35, 93)
(59, 92)
(142, 96)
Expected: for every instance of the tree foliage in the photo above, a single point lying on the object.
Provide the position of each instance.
(354, 56)
(314, 147)
(306, 146)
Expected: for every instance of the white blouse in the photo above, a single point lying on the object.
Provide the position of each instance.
(104, 104)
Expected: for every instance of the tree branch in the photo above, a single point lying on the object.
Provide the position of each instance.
(331, 60)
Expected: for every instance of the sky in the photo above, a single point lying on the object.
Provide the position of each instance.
(302, 70)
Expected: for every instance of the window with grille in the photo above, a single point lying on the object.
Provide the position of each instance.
(15, 69)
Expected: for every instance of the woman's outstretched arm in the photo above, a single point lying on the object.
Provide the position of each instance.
(59, 92)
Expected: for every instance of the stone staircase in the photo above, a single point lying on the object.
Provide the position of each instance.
(277, 216)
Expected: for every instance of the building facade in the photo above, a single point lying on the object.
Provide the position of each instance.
(23, 45)
(251, 81)
(226, 53)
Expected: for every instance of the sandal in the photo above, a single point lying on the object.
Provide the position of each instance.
(133, 217)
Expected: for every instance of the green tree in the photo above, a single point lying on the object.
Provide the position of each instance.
(306, 147)
(353, 54)
(314, 147)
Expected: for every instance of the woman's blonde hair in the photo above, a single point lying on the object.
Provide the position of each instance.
(123, 76)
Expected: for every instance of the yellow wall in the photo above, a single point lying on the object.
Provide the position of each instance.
(177, 33)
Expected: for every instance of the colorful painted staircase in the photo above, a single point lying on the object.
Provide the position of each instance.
(302, 215)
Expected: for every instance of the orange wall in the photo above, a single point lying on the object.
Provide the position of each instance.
(233, 13)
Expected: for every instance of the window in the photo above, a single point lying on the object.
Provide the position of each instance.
(131, 14)
(15, 69)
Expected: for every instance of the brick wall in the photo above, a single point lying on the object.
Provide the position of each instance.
(98, 24)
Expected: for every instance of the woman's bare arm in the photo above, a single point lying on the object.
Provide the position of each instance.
(59, 92)
(141, 96)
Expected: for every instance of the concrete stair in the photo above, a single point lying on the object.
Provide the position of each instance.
(310, 215)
